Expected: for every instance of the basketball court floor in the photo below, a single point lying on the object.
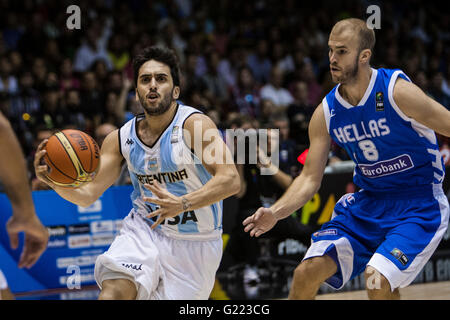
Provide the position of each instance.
(423, 291)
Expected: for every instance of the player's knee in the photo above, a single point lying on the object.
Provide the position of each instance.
(117, 290)
(306, 272)
(376, 281)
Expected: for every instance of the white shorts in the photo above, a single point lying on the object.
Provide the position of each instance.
(162, 268)
(3, 282)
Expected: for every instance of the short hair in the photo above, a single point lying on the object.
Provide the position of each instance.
(365, 34)
(160, 54)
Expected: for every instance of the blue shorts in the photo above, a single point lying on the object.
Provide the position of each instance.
(395, 235)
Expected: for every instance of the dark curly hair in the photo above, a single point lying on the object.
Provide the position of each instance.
(160, 54)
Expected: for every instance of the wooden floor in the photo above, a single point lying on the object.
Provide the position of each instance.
(424, 291)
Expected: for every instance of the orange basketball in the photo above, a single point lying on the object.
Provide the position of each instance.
(73, 158)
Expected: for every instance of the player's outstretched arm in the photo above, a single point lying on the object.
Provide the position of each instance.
(13, 172)
(303, 187)
(414, 103)
(86, 194)
(216, 158)
(13, 175)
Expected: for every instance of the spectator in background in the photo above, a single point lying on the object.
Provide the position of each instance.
(102, 131)
(114, 111)
(8, 82)
(52, 55)
(92, 100)
(436, 91)
(446, 81)
(52, 115)
(221, 36)
(170, 36)
(34, 37)
(90, 51)
(67, 79)
(15, 58)
(275, 91)
(114, 81)
(117, 52)
(192, 82)
(287, 146)
(421, 80)
(314, 88)
(299, 114)
(101, 73)
(245, 95)
(13, 31)
(72, 105)
(259, 62)
(230, 64)
(27, 103)
(217, 89)
(268, 110)
(39, 71)
(284, 61)
(300, 57)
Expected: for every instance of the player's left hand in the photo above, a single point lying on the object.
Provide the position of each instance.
(36, 238)
(260, 222)
(169, 204)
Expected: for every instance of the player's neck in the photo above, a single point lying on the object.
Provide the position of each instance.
(353, 90)
(156, 124)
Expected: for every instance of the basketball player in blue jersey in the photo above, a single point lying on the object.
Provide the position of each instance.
(389, 229)
(13, 177)
(170, 245)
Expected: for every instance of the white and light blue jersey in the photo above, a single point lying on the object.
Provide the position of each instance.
(174, 167)
(393, 153)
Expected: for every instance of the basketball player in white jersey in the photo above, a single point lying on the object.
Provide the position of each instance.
(391, 227)
(170, 245)
(13, 176)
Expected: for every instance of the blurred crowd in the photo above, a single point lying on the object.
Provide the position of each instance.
(255, 63)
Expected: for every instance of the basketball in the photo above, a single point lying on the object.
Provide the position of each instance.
(73, 158)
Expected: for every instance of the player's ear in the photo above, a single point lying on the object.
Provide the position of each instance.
(364, 56)
(176, 92)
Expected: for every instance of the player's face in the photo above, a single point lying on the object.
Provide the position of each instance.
(344, 55)
(155, 89)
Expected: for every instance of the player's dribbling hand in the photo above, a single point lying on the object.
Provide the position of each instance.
(40, 168)
(169, 204)
(260, 222)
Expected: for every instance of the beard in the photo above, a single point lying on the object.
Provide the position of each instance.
(349, 74)
(160, 108)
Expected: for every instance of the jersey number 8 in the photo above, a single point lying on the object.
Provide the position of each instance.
(369, 150)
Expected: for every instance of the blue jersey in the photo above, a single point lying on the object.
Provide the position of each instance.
(393, 153)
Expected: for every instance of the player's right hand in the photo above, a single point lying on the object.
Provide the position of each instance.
(260, 222)
(40, 168)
